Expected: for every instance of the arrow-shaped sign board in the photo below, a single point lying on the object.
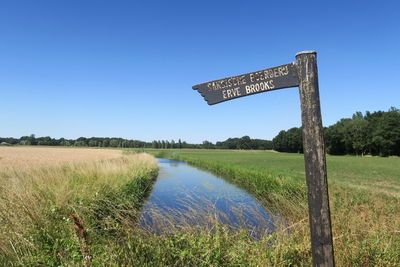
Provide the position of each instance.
(247, 84)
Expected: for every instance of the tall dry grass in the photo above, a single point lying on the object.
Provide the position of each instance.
(35, 203)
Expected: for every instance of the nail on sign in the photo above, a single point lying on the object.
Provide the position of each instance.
(247, 84)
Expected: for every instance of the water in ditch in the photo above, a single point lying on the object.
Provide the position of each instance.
(184, 196)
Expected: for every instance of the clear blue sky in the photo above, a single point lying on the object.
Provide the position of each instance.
(126, 68)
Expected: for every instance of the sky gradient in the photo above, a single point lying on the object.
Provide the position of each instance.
(126, 68)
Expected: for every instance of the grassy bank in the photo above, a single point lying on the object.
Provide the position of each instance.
(84, 212)
(364, 195)
(72, 212)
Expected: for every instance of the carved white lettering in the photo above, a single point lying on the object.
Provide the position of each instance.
(229, 93)
(259, 87)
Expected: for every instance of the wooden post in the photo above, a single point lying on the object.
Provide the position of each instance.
(305, 75)
(315, 161)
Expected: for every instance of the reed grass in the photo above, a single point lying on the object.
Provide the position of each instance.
(59, 214)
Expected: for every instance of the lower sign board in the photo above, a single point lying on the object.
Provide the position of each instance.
(247, 84)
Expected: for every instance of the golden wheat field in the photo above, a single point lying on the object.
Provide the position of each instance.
(37, 157)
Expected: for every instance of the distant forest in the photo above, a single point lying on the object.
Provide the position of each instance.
(376, 133)
(244, 142)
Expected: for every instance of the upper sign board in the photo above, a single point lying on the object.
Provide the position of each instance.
(247, 84)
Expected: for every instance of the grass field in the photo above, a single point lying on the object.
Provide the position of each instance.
(364, 196)
(373, 173)
(61, 206)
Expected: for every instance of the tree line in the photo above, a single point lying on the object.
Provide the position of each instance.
(376, 133)
(232, 143)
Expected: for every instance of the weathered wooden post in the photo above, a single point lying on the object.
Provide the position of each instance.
(305, 75)
(315, 160)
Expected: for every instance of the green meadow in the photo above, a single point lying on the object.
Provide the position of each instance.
(364, 198)
(376, 174)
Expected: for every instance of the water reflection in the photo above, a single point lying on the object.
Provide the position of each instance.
(185, 196)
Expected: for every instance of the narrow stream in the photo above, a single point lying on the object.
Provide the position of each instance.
(184, 196)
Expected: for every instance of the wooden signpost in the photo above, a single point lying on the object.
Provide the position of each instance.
(247, 84)
(303, 74)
